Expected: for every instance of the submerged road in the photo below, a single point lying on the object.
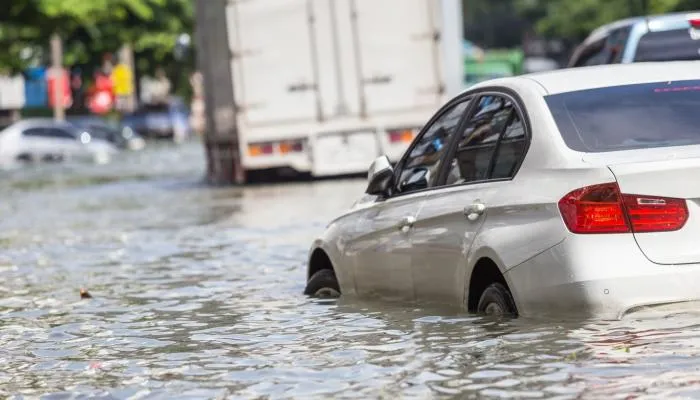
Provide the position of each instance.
(196, 293)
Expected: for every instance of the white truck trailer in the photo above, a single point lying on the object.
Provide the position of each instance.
(323, 87)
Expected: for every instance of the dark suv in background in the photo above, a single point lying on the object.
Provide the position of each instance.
(169, 120)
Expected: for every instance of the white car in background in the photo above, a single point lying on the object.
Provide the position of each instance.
(574, 191)
(46, 140)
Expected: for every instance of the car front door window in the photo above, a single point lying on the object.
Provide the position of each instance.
(420, 168)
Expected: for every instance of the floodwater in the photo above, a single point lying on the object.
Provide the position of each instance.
(196, 293)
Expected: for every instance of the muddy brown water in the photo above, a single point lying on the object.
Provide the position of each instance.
(197, 294)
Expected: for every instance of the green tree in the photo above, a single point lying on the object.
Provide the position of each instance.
(576, 19)
(90, 28)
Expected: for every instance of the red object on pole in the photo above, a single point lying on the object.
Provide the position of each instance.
(59, 82)
(102, 99)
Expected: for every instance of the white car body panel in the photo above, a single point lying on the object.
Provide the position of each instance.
(547, 268)
(660, 178)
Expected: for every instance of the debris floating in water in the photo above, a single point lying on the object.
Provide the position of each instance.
(84, 294)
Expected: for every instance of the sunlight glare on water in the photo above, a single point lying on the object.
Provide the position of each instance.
(197, 294)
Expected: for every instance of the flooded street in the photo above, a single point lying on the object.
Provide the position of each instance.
(197, 294)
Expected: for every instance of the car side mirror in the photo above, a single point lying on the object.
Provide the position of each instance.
(380, 176)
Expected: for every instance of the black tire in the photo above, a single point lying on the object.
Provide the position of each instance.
(496, 300)
(323, 284)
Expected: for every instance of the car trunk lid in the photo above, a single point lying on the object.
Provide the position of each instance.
(675, 178)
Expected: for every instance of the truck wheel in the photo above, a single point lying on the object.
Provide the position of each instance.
(497, 300)
(323, 284)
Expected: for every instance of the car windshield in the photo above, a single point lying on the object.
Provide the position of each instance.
(629, 117)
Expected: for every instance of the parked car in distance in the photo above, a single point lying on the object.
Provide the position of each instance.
(160, 121)
(43, 139)
(564, 192)
(123, 137)
(668, 37)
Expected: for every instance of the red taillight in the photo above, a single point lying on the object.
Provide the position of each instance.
(291, 147)
(694, 22)
(285, 147)
(655, 214)
(401, 135)
(594, 209)
(603, 209)
(259, 149)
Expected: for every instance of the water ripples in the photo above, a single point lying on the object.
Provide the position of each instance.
(197, 294)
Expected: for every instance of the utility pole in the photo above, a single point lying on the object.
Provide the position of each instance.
(126, 57)
(57, 67)
(214, 61)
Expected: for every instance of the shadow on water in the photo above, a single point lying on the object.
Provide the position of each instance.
(197, 294)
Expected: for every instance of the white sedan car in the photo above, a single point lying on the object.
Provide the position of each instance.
(570, 191)
(43, 139)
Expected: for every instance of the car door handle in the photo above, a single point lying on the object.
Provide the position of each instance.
(474, 211)
(407, 223)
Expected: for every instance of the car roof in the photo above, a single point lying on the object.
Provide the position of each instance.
(598, 76)
(650, 20)
(603, 30)
(662, 19)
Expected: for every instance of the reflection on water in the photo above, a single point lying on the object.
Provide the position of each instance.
(196, 294)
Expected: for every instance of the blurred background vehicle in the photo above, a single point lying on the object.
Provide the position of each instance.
(46, 140)
(669, 37)
(162, 120)
(328, 106)
(124, 137)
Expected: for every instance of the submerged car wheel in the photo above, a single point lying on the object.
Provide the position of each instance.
(496, 300)
(323, 284)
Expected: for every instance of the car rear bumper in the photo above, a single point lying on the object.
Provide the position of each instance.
(599, 276)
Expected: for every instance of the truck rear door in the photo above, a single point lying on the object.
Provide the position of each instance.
(273, 61)
(397, 50)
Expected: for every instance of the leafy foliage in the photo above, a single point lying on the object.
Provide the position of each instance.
(90, 28)
(575, 19)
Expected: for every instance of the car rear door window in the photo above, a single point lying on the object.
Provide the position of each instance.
(473, 158)
(419, 169)
(511, 149)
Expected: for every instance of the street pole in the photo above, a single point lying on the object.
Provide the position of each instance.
(126, 57)
(214, 61)
(57, 67)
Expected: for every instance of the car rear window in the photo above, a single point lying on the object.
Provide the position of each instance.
(629, 117)
(672, 45)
